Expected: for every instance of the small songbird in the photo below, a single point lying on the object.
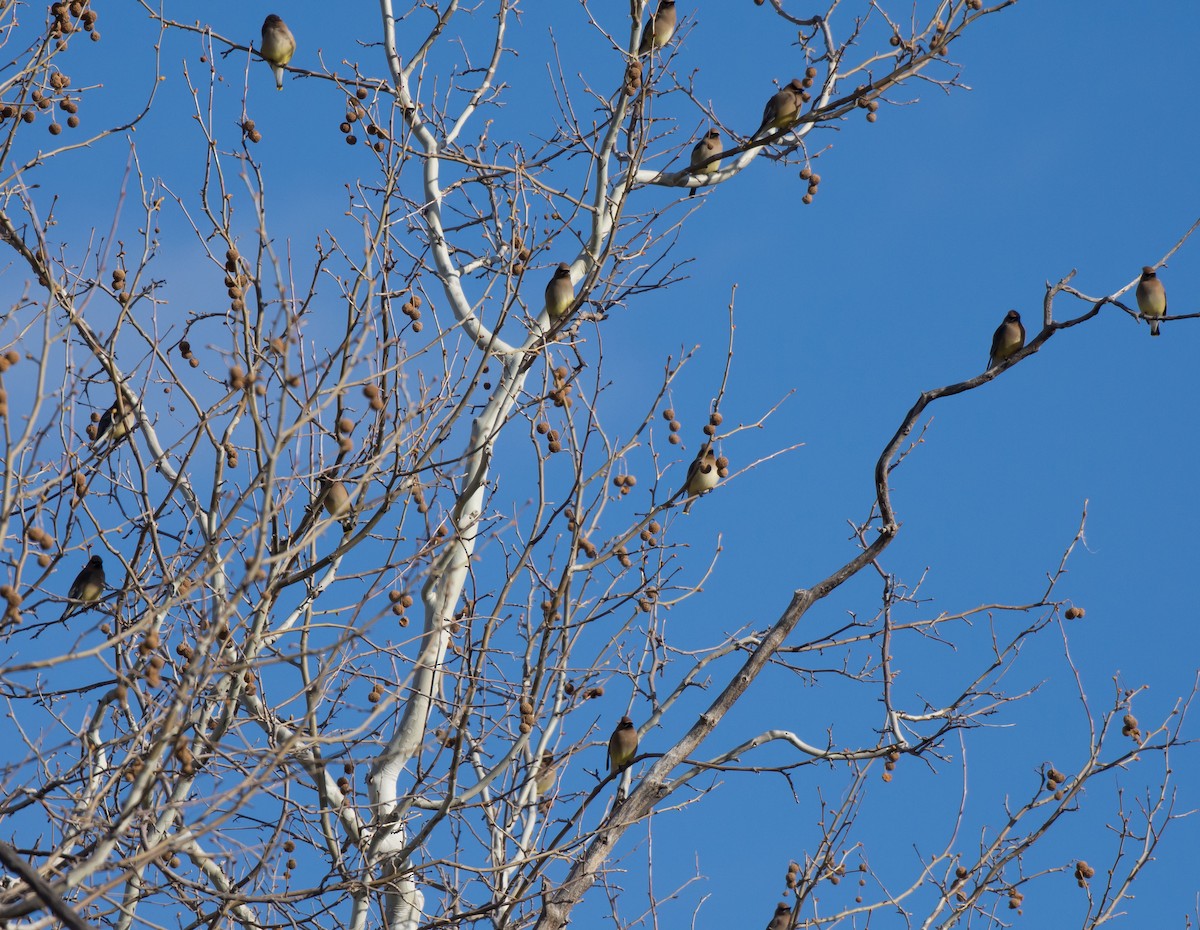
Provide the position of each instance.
(622, 745)
(87, 586)
(1008, 340)
(560, 293)
(782, 918)
(704, 150)
(546, 773)
(278, 46)
(334, 498)
(782, 109)
(702, 477)
(659, 27)
(1151, 298)
(115, 423)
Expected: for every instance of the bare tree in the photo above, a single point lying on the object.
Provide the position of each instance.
(382, 558)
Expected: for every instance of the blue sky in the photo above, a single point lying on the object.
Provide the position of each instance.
(1074, 149)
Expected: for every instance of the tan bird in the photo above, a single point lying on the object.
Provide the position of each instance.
(702, 477)
(659, 27)
(278, 46)
(114, 424)
(560, 293)
(622, 745)
(1008, 339)
(782, 919)
(335, 498)
(704, 150)
(87, 587)
(546, 773)
(1151, 298)
(784, 108)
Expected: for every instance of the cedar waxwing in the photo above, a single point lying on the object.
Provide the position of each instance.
(782, 109)
(545, 775)
(87, 586)
(560, 293)
(659, 27)
(622, 745)
(782, 919)
(335, 498)
(702, 477)
(278, 46)
(1008, 340)
(705, 149)
(1151, 298)
(115, 426)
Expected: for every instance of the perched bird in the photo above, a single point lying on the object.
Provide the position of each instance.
(87, 586)
(1008, 340)
(560, 293)
(702, 477)
(782, 919)
(1151, 298)
(334, 498)
(545, 775)
(782, 109)
(278, 46)
(622, 745)
(114, 424)
(705, 149)
(659, 27)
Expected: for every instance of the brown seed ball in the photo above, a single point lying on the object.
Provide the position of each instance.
(715, 418)
(361, 93)
(872, 117)
(669, 414)
(654, 527)
(709, 429)
(554, 446)
(345, 425)
(806, 199)
(54, 128)
(894, 41)
(674, 439)
(675, 426)
(1071, 613)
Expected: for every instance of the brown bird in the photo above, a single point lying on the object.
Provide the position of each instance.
(87, 587)
(622, 745)
(782, 109)
(782, 919)
(334, 498)
(115, 423)
(702, 477)
(278, 46)
(546, 773)
(560, 293)
(703, 151)
(659, 27)
(1151, 298)
(1008, 340)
